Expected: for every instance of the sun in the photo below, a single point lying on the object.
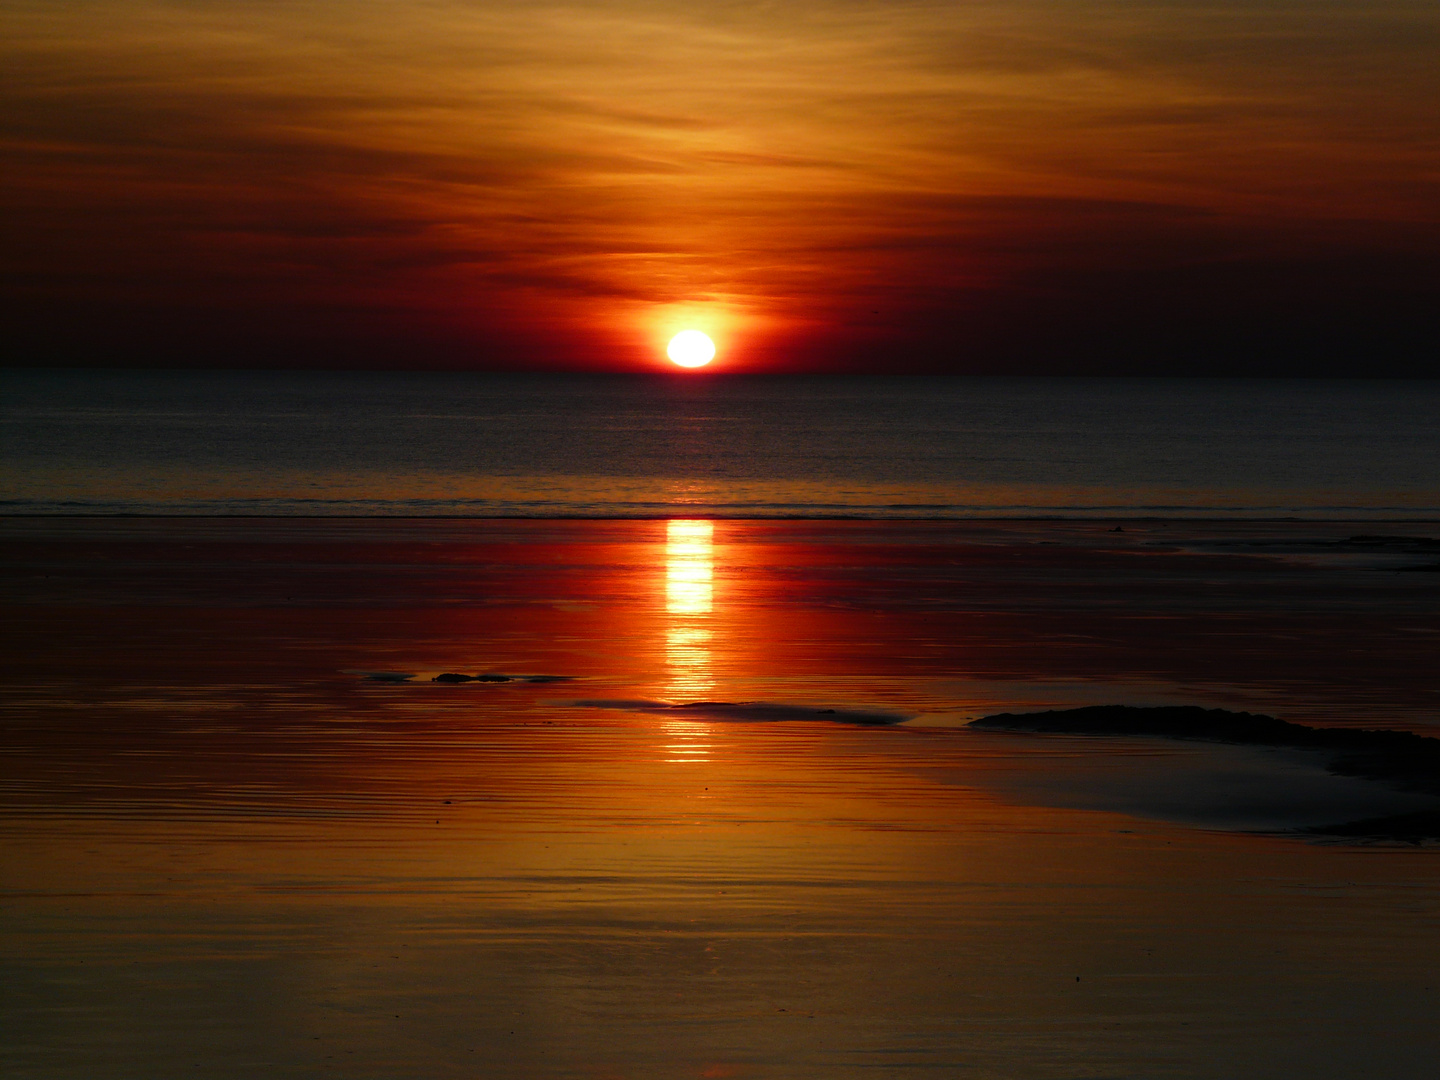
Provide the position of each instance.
(691, 348)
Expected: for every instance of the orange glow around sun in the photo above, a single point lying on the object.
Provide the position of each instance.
(501, 186)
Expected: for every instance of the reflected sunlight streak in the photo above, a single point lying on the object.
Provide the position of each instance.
(689, 603)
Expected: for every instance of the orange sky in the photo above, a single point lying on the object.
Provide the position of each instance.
(1144, 185)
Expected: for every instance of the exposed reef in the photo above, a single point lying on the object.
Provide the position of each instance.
(1399, 759)
(748, 710)
(1409, 545)
(1416, 828)
(1168, 721)
(1418, 546)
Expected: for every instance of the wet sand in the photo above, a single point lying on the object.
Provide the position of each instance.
(229, 851)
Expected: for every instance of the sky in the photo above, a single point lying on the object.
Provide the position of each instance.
(1023, 187)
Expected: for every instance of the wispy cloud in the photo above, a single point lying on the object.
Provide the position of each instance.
(495, 167)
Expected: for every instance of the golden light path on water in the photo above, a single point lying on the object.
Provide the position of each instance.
(226, 850)
(689, 609)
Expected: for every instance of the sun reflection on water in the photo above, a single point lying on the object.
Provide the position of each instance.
(689, 606)
(689, 567)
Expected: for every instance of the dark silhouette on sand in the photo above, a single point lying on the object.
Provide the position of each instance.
(1400, 545)
(1400, 759)
(748, 710)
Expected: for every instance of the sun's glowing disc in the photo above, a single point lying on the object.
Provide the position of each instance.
(691, 348)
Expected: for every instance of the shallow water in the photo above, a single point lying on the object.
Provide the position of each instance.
(229, 851)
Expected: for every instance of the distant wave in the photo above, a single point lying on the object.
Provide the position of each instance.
(411, 445)
(486, 508)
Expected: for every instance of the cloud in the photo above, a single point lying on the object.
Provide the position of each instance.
(479, 168)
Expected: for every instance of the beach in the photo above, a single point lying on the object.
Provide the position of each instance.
(247, 832)
(721, 541)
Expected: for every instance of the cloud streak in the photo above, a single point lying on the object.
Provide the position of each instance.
(468, 179)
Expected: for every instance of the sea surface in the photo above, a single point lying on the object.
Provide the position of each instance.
(716, 447)
(707, 803)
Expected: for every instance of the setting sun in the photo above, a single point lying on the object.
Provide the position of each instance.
(691, 349)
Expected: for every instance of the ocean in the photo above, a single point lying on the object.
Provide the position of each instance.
(469, 445)
(393, 727)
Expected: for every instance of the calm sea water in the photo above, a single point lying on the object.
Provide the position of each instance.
(229, 850)
(245, 832)
(715, 447)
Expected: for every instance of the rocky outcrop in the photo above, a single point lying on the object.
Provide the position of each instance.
(1400, 759)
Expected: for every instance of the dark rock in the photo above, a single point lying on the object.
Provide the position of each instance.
(452, 677)
(1390, 543)
(1170, 721)
(1398, 545)
(746, 711)
(492, 678)
(1399, 758)
(1413, 828)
